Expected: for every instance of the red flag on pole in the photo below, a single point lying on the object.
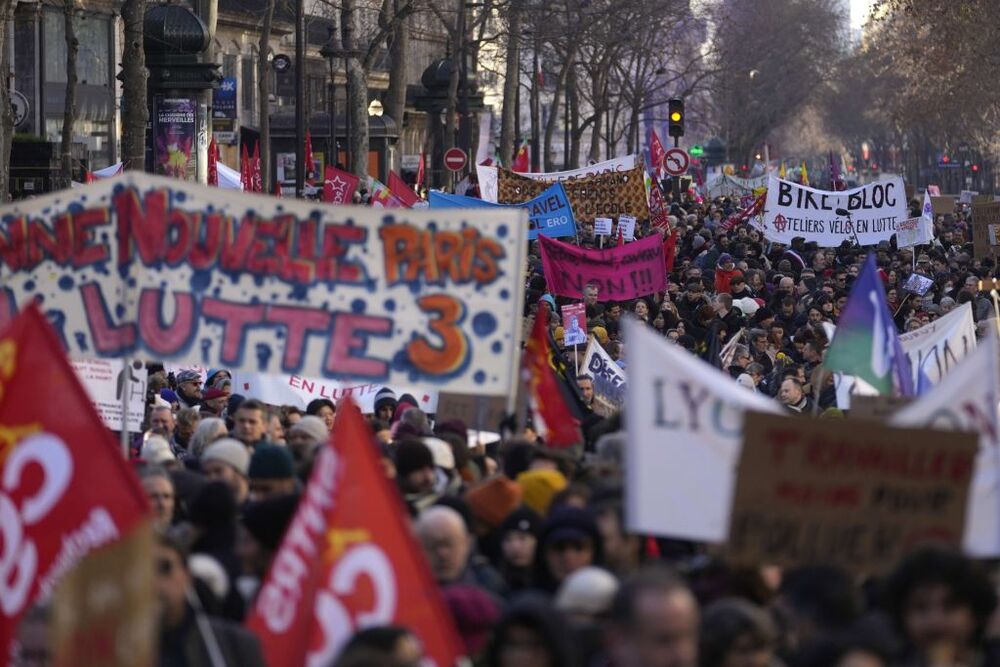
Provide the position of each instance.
(277, 189)
(348, 561)
(258, 185)
(66, 490)
(245, 179)
(213, 163)
(522, 161)
(670, 251)
(561, 428)
(420, 171)
(402, 191)
(621, 236)
(310, 175)
(339, 186)
(657, 154)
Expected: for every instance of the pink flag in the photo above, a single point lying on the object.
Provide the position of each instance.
(403, 192)
(621, 273)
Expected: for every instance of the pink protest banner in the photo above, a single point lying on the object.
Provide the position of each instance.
(624, 272)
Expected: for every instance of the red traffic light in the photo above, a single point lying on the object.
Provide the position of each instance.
(975, 167)
(743, 167)
(945, 159)
(874, 166)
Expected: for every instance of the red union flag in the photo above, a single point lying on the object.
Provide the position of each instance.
(338, 186)
(657, 154)
(560, 426)
(348, 561)
(65, 489)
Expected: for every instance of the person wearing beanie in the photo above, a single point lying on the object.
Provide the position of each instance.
(305, 436)
(415, 472)
(213, 402)
(492, 500)
(518, 537)
(539, 486)
(725, 271)
(475, 612)
(587, 594)
(271, 472)
(569, 540)
(601, 334)
(406, 402)
(385, 404)
(228, 460)
(156, 451)
(263, 525)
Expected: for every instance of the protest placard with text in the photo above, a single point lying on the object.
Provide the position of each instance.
(984, 216)
(620, 273)
(145, 266)
(858, 497)
(489, 175)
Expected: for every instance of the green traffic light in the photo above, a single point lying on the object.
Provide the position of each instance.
(696, 151)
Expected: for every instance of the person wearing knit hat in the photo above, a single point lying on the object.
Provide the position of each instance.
(518, 539)
(156, 451)
(569, 540)
(587, 594)
(475, 612)
(228, 460)
(385, 404)
(216, 376)
(415, 468)
(539, 486)
(405, 402)
(170, 396)
(271, 472)
(213, 402)
(601, 334)
(264, 524)
(492, 500)
(549, 299)
(305, 436)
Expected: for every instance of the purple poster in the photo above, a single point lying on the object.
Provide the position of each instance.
(175, 131)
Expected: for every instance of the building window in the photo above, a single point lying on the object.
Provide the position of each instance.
(93, 61)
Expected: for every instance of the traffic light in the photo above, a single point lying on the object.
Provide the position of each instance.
(945, 159)
(675, 109)
(975, 167)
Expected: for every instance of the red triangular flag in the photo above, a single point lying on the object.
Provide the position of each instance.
(339, 186)
(51, 453)
(89, 177)
(258, 185)
(348, 561)
(277, 189)
(246, 182)
(522, 161)
(420, 171)
(213, 163)
(657, 154)
(310, 175)
(402, 191)
(561, 428)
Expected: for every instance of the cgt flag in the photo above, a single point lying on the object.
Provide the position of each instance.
(559, 426)
(52, 513)
(339, 186)
(348, 561)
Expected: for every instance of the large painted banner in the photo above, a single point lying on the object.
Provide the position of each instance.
(935, 348)
(874, 212)
(725, 185)
(299, 391)
(489, 176)
(608, 195)
(154, 267)
(549, 214)
(620, 273)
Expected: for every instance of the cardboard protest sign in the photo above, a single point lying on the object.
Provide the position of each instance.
(139, 265)
(574, 317)
(602, 226)
(967, 196)
(860, 497)
(627, 224)
(482, 413)
(104, 380)
(918, 284)
(685, 430)
(983, 217)
(489, 176)
(549, 213)
(943, 204)
(297, 390)
(608, 378)
(966, 400)
(792, 210)
(914, 231)
(620, 273)
(608, 194)
(877, 407)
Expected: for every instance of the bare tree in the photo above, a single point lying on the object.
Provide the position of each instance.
(508, 114)
(264, 94)
(6, 112)
(135, 113)
(69, 100)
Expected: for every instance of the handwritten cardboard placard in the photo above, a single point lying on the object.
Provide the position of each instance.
(140, 266)
(620, 273)
(610, 194)
(858, 497)
(983, 217)
(877, 407)
(943, 204)
(481, 413)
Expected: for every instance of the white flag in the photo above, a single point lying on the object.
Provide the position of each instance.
(685, 430)
(966, 400)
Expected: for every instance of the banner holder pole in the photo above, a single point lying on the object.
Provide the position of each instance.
(576, 358)
(126, 390)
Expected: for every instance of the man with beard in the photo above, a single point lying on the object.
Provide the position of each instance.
(188, 388)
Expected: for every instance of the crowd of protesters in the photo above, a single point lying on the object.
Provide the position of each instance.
(529, 545)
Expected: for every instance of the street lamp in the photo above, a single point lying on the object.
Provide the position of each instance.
(375, 109)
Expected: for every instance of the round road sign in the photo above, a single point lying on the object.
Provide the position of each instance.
(455, 159)
(19, 104)
(676, 161)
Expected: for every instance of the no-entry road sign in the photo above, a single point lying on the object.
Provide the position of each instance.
(455, 159)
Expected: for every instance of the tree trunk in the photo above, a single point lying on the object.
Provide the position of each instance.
(69, 101)
(357, 95)
(135, 109)
(573, 95)
(6, 112)
(550, 126)
(395, 96)
(512, 76)
(457, 51)
(263, 96)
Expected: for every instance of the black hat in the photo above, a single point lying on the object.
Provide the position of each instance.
(523, 519)
(267, 520)
(412, 455)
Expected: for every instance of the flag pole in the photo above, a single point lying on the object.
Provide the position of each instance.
(126, 390)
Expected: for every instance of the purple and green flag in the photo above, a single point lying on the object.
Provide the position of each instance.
(866, 343)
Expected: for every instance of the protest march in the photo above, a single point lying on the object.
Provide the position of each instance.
(647, 412)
